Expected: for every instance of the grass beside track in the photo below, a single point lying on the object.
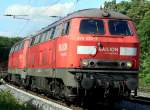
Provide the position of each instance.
(145, 87)
(9, 102)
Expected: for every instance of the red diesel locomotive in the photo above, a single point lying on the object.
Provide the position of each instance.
(89, 52)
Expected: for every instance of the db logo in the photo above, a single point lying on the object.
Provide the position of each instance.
(63, 47)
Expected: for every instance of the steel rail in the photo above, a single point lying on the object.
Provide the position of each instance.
(141, 100)
(134, 103)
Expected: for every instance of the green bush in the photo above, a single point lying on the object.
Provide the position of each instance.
(9, 102)
(147, 79)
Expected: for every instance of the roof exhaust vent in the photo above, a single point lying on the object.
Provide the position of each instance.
(105, 13)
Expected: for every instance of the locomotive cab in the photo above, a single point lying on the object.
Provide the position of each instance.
(106, 52)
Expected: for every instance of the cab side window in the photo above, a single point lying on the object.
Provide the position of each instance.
(43, 36)
(66, 27)
(37, 39)
(32, 41)
(21, 45)
(16, 47)
(58, 31)
(50, 33)
(12, 50)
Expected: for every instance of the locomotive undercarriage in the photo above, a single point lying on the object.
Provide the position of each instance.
(97, 86)
(102, 86)
(52, 87)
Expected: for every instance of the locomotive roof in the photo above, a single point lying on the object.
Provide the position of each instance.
(94, 12)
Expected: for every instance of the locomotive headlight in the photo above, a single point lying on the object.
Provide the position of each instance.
(129, 64)
(84, 63)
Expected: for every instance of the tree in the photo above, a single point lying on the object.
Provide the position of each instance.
(138, 10)
(144, 33)
(110, 5)
(5, 45)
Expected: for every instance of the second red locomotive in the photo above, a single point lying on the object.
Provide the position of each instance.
(89, 52)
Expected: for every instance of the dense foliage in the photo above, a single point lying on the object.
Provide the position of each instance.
(9, 102)
(139, 11)
(5, 45)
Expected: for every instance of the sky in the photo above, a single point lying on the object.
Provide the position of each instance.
(35, 14)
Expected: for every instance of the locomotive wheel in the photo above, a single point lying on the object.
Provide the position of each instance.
(8, 78)
(16, 80)
(56, 89)
(33, 85)
(26, 83)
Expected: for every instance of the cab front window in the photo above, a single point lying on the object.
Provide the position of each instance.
(119, 27)
(91, 26)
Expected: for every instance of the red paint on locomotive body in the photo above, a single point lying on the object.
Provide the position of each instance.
(83, 42)
(18, 55)
(75, 46)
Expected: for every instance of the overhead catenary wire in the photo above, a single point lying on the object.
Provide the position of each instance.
(57, 1)
(26, 23)
(54, 3)
(74, 6)
(29, 2)
(23, 28)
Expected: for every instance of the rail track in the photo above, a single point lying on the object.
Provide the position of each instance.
(42, 102)
(134, 103)
(141, 100)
